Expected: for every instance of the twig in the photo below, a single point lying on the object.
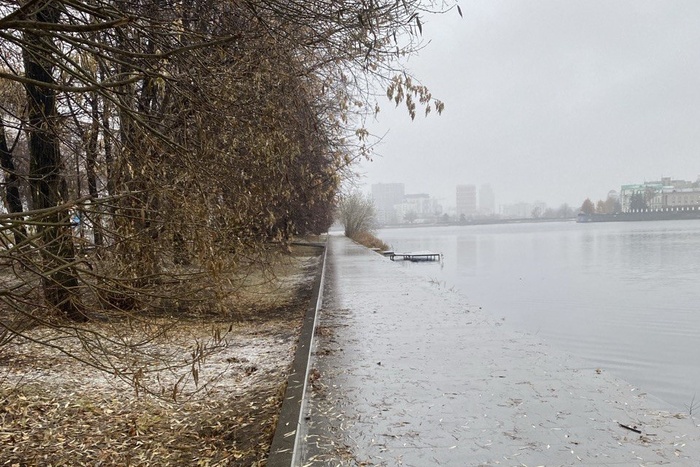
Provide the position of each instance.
(630, 428)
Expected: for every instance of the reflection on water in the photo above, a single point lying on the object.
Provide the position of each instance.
(467, 250)
(623, 296)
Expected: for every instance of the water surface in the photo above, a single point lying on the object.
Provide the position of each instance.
(623, 296)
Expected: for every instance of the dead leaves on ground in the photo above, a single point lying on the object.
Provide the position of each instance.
(56, 412)
(38, 427)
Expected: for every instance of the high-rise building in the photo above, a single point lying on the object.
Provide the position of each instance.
(386, 197)
(466, 200)
(487, 200)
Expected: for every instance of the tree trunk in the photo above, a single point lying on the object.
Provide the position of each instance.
(13, 200)
(91, 173)
(60, 278)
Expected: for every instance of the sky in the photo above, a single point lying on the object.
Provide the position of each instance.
(548, 100)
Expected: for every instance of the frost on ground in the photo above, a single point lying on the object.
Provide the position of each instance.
(55, 410)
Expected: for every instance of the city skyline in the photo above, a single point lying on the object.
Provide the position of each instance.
(394, 203)
(548, 101)
(449, 203)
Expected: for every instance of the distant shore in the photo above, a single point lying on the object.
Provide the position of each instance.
(525, 220)
(642, 215)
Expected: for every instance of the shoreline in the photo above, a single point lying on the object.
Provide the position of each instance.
(419, 377)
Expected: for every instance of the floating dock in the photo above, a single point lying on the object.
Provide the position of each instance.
(414, 256)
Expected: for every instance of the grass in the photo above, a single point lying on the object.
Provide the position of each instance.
(693, 406)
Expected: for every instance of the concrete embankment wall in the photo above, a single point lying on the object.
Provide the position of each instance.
(284, 450)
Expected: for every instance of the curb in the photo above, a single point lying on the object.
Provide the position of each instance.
(284, 450)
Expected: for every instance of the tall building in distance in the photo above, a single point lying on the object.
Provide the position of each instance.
(466, 200)
(487, 200)
(386, 197)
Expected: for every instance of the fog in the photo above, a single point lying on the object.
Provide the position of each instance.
(549, 100)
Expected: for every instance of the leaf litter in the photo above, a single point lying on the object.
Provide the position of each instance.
(56, 411)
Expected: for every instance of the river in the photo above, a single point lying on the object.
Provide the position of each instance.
(623, 296)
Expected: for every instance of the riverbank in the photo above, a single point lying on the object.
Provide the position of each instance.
(405, 373)
(643, 215)
(482, 221)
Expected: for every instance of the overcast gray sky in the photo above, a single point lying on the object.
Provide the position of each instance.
(550, 100)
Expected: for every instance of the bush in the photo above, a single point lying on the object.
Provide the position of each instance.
(357, 214)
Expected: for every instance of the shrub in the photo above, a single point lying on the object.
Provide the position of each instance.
(357, 214)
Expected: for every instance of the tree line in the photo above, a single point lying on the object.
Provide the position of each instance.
(611, 205)
(148, 146)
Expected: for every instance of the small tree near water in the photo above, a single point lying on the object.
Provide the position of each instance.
(357, 214)
(588, 207)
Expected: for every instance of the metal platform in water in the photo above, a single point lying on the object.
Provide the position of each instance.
(414, 256)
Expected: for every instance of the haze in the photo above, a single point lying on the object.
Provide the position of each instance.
(549, 100)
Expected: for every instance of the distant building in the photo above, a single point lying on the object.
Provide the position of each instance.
(641, 195)
(419, 208)
(684, 197)
(386, 197)
(466, 200)
(662, 194)
(487, 200)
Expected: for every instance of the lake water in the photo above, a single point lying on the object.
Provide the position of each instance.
(623, 296)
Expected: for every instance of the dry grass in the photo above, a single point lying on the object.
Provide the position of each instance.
(370, 241)
(56, 411)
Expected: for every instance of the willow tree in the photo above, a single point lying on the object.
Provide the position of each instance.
(206, 133)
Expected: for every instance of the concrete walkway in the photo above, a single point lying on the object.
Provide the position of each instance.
(404, 373)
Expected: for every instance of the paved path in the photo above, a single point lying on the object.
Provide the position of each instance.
(405, 374)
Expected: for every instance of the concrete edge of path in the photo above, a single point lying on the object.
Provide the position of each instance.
(284, 448)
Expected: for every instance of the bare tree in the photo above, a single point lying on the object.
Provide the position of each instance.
(357, 214)
(207, 134)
